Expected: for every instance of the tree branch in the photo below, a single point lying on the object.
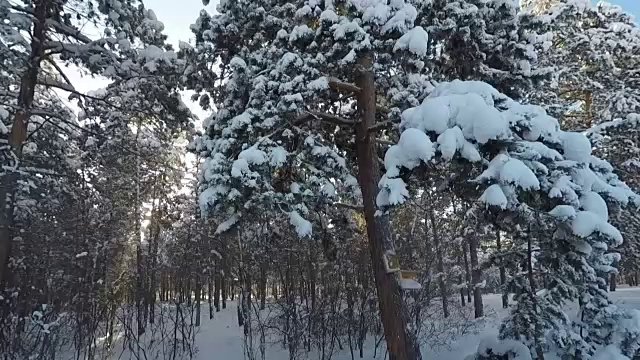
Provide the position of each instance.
(380, 126)
(315, 115)
(336, 84)
(68, 31)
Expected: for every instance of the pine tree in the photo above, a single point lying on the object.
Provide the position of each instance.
(537, 176)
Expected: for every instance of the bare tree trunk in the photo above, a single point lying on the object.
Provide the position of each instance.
(210, 295)
(263, 286)
(439, 264)
(612, 282)
(217, 292)
(503, 275)
(532, 284)
(476, 276)
(467, 270)
(401, 343)
(19, 133)
(198, 297)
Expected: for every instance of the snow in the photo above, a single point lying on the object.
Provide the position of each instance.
(516, 172)
(491, 346)
(542, 126)
(414, 145)
(586, 223)
(449, 142)
(278, 156)
(592, 202)
(227, 224)
(410, 284)
(494, 196)
(610, 352)
(478, 119)
(393, 191)
(321, 83)
(415, 41)
(302, 226)
(563, 211)
(576, 146)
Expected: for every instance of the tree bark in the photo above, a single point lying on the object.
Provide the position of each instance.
(19, 133)
(476, 276)
(401, 343)
(612, 282)
(503, 274)
(439, 264)
(467, 271)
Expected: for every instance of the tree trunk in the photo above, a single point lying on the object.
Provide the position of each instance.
(532, 285)
(612, 282)
(198, 297)
(439, 264)
(401, 343)
(217, 292)
(503, 274)
(19, 133)
(210, 295)
(476, 276)
(467, 271)
(263, 286)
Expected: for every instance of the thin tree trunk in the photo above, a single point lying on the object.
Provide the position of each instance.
(503, 275)
(612, 282)
(263, 286)
(210, 295)
(532, 284)
(217, 292)
(198, 297)
(439, 264)
(401, 342)
(467, 270)
(19, 133)
(476, 276)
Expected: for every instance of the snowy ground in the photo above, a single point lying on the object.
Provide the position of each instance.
(221, 338)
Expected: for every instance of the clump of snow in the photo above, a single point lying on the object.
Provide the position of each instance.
(414, 146)
(494, 196)
(278, 156)
(563, 211)
(492, 346)
(227, 224)
(592, 202)
(415, 41)
(576, 147)
(393, 191)
(586, 223)
(302, 226)
(516, 172)
(321, 83)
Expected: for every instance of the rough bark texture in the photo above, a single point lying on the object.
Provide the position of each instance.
(503, 274)
(401, 344)
(612, 282)
(439, 265)
(476, 277)
(19, 133)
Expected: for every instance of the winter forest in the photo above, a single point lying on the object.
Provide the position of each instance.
(372, 179)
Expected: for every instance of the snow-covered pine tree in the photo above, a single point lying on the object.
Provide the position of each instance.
(538, 174)
(57, 38)
(481, 40)
(300, 114)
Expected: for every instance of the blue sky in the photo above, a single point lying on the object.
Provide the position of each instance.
(630, 6)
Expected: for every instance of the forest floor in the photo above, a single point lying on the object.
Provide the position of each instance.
(222, 339)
